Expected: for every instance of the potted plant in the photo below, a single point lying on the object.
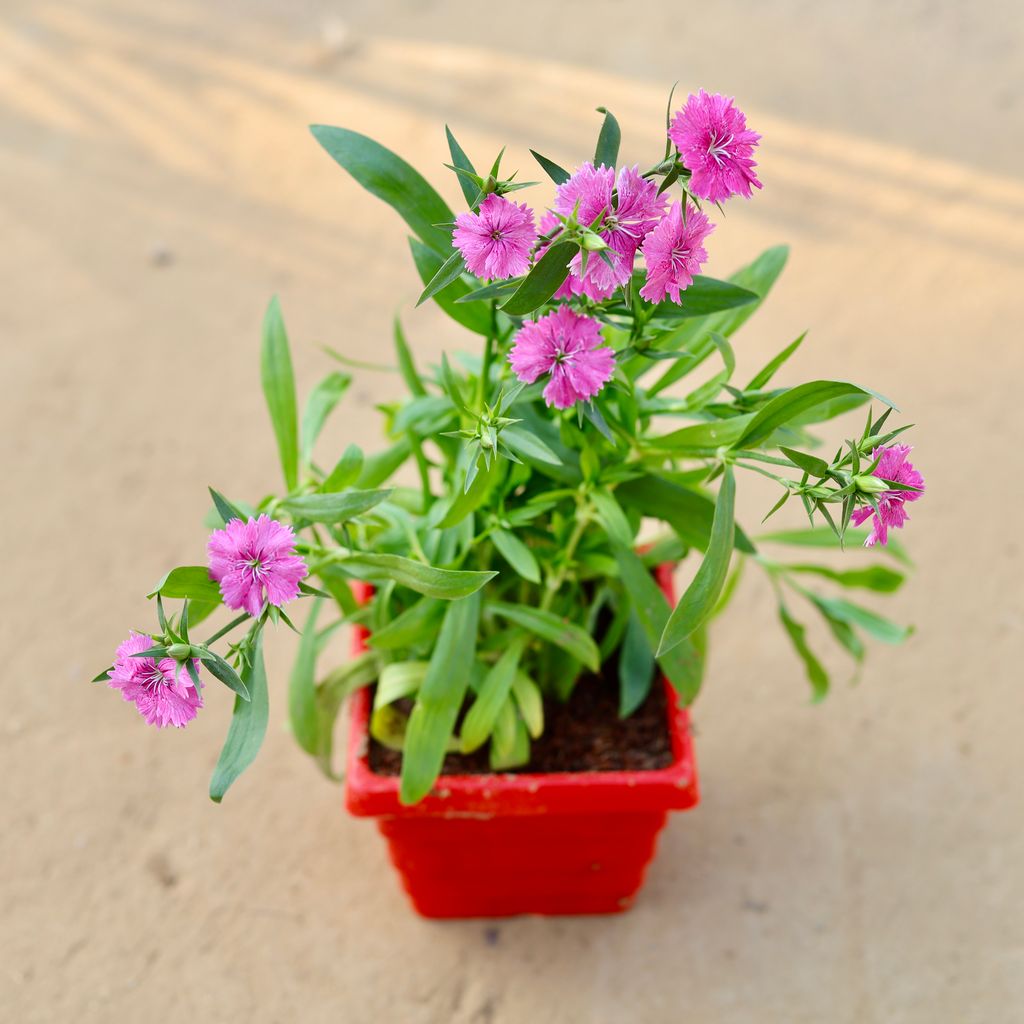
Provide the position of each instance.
(522, 670)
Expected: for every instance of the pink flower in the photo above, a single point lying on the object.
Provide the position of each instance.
(567, 346)
(893, 465)
(496, 242)
(716, 146)
(674, 252)
(628, 205)
(161, 690)
(255, 562)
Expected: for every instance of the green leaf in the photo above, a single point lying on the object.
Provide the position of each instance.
(802, 460)
(330, 693)
(517, 554)
(875, 577)
(636, 667)
(333, 508)
(247, 729)
(612, 518)
(694, 335)
(854, 615)
(543, 280)
(448, 272)
(823, 537)
(346, 471)
(409, 629)
(530, 702)
(706, 295)
(607, 151)
(494, 290)
(279, 391)
(690, 513)
(556, 630)
(683, 665)
(379, 466)
(397, 680)
(702, 594)
(459, 159)
(559, 175)
(701, 439)
(225, 509)
(406, 363)
(302, 709)
(790, 404)
(816, 674)
(192, 581)
(528, 446)
(440, 697)
(321, 401)
(221, 670)
(445, 584)
(493, 693)
(475, 317)
(389, 177)
(765, 374)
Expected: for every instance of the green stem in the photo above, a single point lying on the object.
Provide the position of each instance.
(555, 582)
(227, 629)
(485, 369)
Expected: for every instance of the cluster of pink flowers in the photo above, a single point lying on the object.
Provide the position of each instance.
(255, 564)
(624, 208)
(892, 465)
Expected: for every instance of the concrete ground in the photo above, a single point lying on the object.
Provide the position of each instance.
(860, 861)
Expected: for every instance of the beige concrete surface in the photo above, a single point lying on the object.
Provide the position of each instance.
(855, 862)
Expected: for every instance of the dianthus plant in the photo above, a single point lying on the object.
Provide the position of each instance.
(550, 468)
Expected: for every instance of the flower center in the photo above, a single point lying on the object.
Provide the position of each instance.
(680, 254)
(717, 147)
(496, 235)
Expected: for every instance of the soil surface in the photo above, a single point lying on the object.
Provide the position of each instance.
(583, 735)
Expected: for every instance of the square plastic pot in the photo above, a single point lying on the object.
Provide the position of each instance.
(524, 843)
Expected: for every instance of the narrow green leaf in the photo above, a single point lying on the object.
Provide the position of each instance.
(440, 697)
(390, 178)
(493, 693)
(279, 391)
(802, 460)
(225, 509)
(823, 537)
(636, 667)
(702, 594)
(875, 577)
(701, 439)
(406, 363)
(475, 317)
(333, 508)
(415, 626)
(790, 404)
(612, 518)
(704, 296)
(530, 702)
(192, 581)
(816, 674)
(528, 446)
(446, 584)
(221, 670)
(459, 159)
(247, 729)
(448, 272)
(852, 614)
(398, 680)
(517, 554)
(765, 374)
(543, 280)
(556, 630)
(684, 664)
(607, 151)
(559, 175)
(302, 709)
(346, 471)
(321, 401)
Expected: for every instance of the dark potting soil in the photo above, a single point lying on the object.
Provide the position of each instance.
(586, 734)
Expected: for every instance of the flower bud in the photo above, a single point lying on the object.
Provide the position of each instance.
(870, 484)
(180, 652)
(592, 242)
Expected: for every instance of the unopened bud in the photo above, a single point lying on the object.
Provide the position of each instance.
(870, 484)
(592, 242)
(179, 652)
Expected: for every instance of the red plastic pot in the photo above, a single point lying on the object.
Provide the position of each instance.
(502, 844)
